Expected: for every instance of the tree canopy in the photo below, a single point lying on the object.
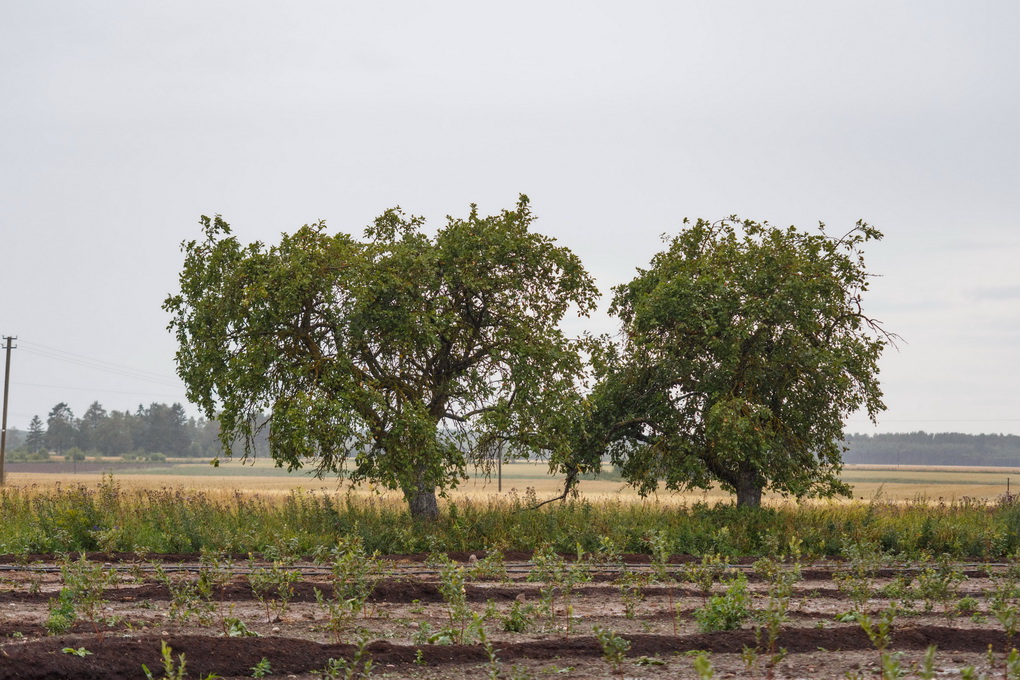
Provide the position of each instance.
(61, 428)
(744, 348)
(394, 358)
(158, 428)
(36, 439)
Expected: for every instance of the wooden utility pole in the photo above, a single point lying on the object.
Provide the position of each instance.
(3, 432)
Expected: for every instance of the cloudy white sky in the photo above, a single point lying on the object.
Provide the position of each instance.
(122, 122)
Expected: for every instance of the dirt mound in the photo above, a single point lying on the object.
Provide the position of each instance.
(116, 658)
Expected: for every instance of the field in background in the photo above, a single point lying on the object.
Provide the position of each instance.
(893, 483)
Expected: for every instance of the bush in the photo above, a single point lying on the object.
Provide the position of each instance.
(74, 453)
(726, 611)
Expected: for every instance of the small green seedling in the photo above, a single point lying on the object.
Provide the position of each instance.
(614, 647)
(703, 666)
(261, 669)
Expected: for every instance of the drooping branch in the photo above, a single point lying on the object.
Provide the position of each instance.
(568, 485)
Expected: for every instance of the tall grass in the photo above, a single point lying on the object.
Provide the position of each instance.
(105, 517)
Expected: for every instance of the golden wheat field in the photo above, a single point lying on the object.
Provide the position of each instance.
(890, 483)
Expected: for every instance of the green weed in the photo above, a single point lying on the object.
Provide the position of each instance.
(614, 647)
(81, 595)
(727, 610)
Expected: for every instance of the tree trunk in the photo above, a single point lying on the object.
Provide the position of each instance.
(749, 488)
(421, 501)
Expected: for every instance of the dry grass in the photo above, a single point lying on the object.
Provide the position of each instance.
(891, 483)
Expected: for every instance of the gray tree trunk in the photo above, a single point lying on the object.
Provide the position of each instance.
(749, 488)
(421, 501)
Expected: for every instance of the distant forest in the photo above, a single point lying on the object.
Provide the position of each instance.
(150, 432)
(924, 448)
(161, 430)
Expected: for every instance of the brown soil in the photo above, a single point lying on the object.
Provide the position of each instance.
(296, 643)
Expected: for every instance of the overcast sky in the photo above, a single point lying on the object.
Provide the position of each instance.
(122, 122)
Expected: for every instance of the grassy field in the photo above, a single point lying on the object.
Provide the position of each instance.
(170, 510)
(890, 483)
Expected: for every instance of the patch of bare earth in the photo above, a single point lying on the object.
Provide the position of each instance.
(297, 643)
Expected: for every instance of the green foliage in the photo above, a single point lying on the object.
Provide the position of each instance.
(392, 359)
(632, 585)
(1005, 605)
(727, 610)
(355, 573)
(879, 631)
(61, 432)
(891, 667)
(235, 627)
(196, 597)
(926, 670)
(939, 583)
(520, 618)
(62, 613)
(354, 576)
(967, 606)
(78, 518)
(492, 566)
(705, 573)
(1013, 665)
(661, 549)
(262, 669)
(902, 589)
(971, 673)
(426, 635)
(478, 625)
(172, 670)
(745, 349)
(614, 647)
(452, 586)
(703, 666)
(79, 652)
(558, 577)
(184, 599)
(35, 442)
(857, 580)
(273, 586)
(149, 434)
(81, 594)
(358, 668)
(781, 578)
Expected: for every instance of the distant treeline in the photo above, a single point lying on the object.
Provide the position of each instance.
(166, 430)
(924, 448)
(156, 430)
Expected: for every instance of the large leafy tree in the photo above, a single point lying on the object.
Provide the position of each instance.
(744, 348)
(61, 428)
(113, 434)
(90, 424)
(163, 429)
(392, 358)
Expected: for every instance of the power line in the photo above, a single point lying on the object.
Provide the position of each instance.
(98, 364)
(94, 389)
(99, 361)
(112, 369)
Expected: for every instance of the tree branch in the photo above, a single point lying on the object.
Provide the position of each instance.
(569, 483)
